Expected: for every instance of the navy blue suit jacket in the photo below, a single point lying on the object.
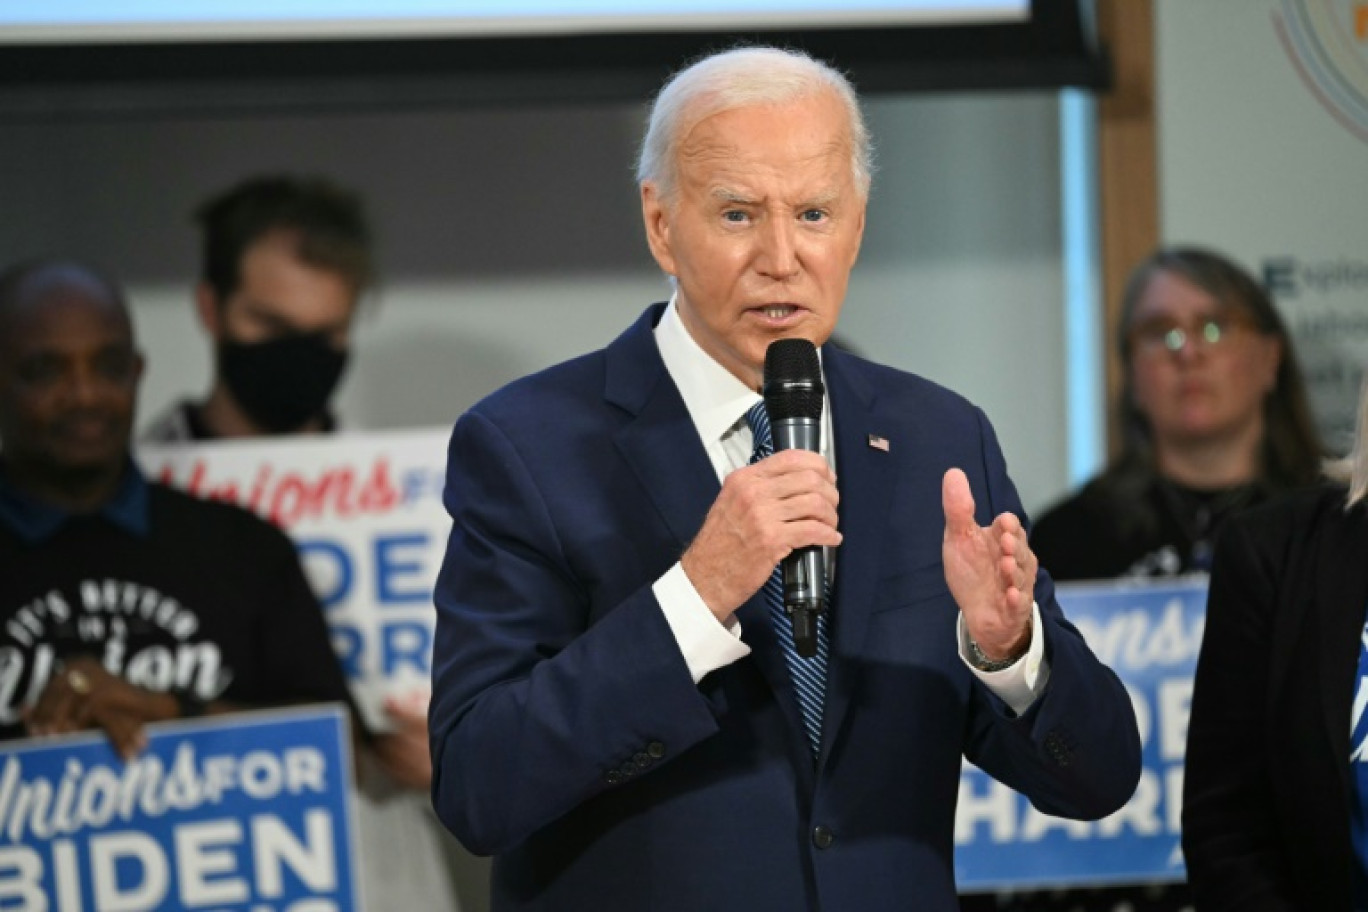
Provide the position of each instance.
(570, 740)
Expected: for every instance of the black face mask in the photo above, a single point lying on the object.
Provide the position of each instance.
(282, 383)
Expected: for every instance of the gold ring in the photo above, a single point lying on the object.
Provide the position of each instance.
(77, 681)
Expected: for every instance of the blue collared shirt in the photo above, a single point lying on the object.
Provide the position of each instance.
(36, 520)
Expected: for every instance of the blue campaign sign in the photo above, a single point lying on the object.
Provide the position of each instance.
(1149, 634)
(248, 812)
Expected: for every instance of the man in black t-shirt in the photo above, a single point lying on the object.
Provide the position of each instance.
(123, 602)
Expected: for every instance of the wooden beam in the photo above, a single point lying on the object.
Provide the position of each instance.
(1127, 170)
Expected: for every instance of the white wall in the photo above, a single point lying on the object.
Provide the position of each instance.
(1257, 159)
(510, 238)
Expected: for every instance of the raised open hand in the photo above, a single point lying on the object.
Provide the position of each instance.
(990, 571)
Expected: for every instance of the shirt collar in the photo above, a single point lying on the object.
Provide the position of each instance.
(714, 397)
(187, 423)
(36, 520)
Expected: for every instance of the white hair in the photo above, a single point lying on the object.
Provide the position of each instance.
(1353, 468)
(740, 78)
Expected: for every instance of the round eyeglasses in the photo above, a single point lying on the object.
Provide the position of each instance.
(1158, 334)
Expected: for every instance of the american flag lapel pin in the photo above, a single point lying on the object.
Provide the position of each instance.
(878, 442)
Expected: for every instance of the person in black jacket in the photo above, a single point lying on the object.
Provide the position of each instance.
(1275, 797)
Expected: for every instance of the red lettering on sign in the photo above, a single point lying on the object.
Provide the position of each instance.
(287, 497)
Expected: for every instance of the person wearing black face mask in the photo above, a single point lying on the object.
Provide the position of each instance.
(285, 261)
(282, 384)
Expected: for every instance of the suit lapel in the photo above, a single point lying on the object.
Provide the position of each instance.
(658, 440)
(1339, 596)
(664, 452)
(867, 474)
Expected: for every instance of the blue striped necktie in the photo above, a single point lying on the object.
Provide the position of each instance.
(809, 675)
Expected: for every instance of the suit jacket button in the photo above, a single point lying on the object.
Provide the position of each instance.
(642, 760)
(656, 749)
(1058, 747)
(612, 777)
(822, 837)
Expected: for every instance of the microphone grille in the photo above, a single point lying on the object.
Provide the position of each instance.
(793, 380)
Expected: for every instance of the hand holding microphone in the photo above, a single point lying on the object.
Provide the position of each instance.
(765, 513)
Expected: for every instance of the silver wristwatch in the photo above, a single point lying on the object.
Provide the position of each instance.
(983, 663)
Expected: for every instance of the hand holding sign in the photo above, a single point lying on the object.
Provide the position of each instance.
(85, 695)
(404, 751)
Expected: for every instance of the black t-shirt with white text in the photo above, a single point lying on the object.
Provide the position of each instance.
(209, 600)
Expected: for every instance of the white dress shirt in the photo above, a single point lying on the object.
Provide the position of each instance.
(717, 403)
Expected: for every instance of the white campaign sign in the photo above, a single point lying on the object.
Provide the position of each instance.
(365, 511)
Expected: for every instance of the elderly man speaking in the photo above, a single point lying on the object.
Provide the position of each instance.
(619, 714)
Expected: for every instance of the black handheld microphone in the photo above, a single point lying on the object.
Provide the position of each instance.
(793, 399)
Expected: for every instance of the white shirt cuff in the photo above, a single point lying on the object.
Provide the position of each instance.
(1021, 683)
(707, 645)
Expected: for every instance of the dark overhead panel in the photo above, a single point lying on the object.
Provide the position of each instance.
(1055, 48)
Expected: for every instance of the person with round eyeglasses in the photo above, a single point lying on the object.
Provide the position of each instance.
(1165, 333)
(1214, 418)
